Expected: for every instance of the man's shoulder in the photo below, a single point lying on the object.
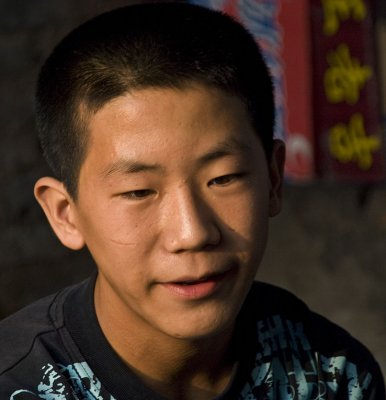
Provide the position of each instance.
(19, 331)
(285, 328)
(322, 334)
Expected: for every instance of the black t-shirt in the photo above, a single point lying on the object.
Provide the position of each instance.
(54, 349)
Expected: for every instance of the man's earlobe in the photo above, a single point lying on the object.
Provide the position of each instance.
(276, 172)
(59, 208)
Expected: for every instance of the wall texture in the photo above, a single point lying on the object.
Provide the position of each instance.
(328, 245)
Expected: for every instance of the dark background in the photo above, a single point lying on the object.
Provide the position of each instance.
(328, 245)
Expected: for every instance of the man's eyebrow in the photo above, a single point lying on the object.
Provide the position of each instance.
(227, 148)
(127, 166)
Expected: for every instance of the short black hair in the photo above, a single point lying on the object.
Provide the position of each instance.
(167, 45)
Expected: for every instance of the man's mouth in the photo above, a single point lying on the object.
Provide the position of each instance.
(197, 288)
(193, 281)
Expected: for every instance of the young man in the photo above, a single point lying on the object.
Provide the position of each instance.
(157, 122)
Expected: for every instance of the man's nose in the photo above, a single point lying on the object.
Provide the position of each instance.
(189, 223)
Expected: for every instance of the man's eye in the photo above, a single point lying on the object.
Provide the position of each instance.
(138, 194)
(224, 180)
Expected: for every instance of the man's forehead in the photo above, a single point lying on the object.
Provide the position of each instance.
(149, 129)
(154, 100)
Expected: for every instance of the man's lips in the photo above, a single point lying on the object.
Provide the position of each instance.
(196, 288)
(190, 280)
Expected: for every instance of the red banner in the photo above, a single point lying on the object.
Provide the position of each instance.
(347, 120)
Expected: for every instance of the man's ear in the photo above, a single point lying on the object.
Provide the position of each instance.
(59, 208)
(276, 172)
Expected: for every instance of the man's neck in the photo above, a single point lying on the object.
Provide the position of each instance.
(191, 371)
(175, 368)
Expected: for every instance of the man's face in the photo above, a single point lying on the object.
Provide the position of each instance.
(174, 200)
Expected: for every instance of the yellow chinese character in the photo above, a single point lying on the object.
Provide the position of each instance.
(350, 143)
(345, 77)
(340, 10)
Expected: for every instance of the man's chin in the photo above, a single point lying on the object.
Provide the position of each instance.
(202, 328)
